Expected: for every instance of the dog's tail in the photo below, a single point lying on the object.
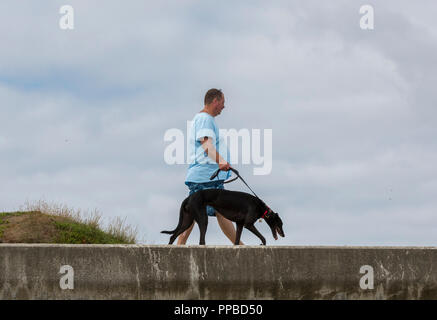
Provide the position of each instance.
(181, 213)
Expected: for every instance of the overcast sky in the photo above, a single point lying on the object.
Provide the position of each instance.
(83, 112)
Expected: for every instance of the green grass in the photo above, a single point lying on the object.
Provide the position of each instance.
(11, 214)
(74, 233)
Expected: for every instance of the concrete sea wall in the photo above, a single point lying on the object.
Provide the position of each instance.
(39, 271)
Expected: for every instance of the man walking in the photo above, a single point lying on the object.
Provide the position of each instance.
(205, 158)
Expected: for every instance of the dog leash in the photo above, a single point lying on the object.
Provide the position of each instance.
(238, 176)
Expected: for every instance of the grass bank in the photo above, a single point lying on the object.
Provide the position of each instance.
(41, 222)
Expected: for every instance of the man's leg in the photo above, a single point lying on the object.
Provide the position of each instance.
(182, 239)
(227, 227)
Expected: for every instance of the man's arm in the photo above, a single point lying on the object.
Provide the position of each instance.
(213, 154)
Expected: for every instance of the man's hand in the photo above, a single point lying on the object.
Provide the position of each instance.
(224, 166)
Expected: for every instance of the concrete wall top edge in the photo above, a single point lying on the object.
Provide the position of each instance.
(30, 245)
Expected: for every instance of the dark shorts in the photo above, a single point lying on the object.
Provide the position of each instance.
(194, 187)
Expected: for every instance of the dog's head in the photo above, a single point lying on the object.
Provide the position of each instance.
(274, 222)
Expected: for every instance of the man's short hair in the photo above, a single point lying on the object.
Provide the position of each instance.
(212, 94)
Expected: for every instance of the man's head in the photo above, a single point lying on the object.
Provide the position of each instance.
(214, 101)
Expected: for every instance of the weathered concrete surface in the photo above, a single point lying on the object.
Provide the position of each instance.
(216, 272)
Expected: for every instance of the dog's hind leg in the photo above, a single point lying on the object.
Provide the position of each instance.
(257, 233)
(202, 222)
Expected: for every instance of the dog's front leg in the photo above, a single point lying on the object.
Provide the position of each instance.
(203, 225)
(257, 233)
(238, 235)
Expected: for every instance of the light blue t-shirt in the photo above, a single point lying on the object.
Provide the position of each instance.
(201, 167)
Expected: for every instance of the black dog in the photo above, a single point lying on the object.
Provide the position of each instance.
(240, 207)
